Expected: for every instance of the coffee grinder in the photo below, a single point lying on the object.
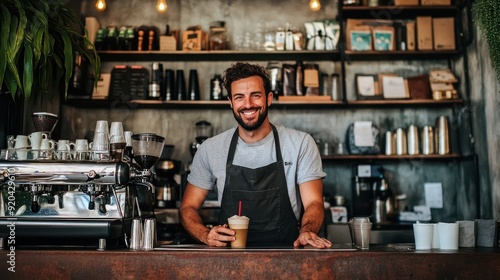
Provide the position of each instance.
(366, 181)
(203, 132)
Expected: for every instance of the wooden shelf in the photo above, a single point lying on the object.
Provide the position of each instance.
(405, 103)
(223, 104)
(397, 12)
(399, 55)
(227, 55)
(389, 157)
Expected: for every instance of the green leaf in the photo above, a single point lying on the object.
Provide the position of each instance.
(28, 70)
(4, 39)
(11, 54)
(68, 59)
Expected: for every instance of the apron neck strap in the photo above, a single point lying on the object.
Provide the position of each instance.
(234, 142)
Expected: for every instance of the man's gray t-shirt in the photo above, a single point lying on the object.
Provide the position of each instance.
(299, 151)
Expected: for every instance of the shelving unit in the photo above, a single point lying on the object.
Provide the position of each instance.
(343, 56)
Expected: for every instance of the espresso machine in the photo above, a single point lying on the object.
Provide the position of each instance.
(367, 181)
(53, 201)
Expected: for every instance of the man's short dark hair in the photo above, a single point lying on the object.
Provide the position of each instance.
(242, 70)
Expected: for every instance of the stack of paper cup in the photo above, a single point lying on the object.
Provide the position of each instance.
(423, 236)
(448, 236)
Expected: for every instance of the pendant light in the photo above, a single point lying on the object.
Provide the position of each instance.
(100, 5)
(161, 6)
(315, 5)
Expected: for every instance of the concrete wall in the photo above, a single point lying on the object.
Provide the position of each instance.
(405, 177)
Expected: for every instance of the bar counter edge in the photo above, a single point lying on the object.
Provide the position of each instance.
(377, 263)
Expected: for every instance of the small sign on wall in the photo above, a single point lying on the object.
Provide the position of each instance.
(434, 195)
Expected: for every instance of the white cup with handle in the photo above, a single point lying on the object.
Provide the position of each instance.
(35, 139)
(81, 151)
(21, 142)
(47, 144)
(63, 150)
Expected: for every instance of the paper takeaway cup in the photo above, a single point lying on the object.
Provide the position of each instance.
(466, 233)
(240, 225)
(448, 236)
(423, 236)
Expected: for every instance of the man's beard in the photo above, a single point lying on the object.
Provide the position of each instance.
(256, 124)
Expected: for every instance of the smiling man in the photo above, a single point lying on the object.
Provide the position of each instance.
(276, 172)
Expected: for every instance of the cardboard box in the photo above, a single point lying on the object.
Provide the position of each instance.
(405, 2)
(435, 2)
(444, 33)
(168, 43)
(410, 35)
(424, 33)
(194, 40)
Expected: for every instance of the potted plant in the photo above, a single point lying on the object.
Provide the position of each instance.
(39, 41)
(38, 44)
(487, 15)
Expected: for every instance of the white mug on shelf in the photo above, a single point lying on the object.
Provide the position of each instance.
(22, 141)
(35, 139)
(47, 144)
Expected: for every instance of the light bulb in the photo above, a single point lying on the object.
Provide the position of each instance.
(100, 5)
(314, 5)
(161, 6)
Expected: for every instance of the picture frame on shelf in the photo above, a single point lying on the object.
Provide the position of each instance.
(367, 87)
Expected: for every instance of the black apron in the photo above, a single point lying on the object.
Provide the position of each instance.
(264, 196)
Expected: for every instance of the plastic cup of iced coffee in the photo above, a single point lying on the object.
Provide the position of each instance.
(240, 225)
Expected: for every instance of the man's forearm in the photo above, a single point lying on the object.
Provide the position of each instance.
(193, 224)
(313, 217)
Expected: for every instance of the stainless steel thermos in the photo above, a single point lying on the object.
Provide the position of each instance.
(428, 140)
(412, 137)
(442, 138)
(401, 148)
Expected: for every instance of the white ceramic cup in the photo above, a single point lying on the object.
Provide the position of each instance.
(63, 150)
(423, 236)
(102, 126)
(128, 137)
(116, 129)
(47, 144)
(35, 139)
(101, 142)
(81, 145)
(21, 141)
(63, 145)
(448, 236)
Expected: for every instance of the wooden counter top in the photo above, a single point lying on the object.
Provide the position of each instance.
(379, 262)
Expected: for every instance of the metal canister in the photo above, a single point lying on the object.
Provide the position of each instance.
(401, 148)
(427, 140)
(442, 137)
(412, 137)
(390, 147)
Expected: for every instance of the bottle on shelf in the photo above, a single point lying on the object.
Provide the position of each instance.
(155, 81)
(216, 88)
